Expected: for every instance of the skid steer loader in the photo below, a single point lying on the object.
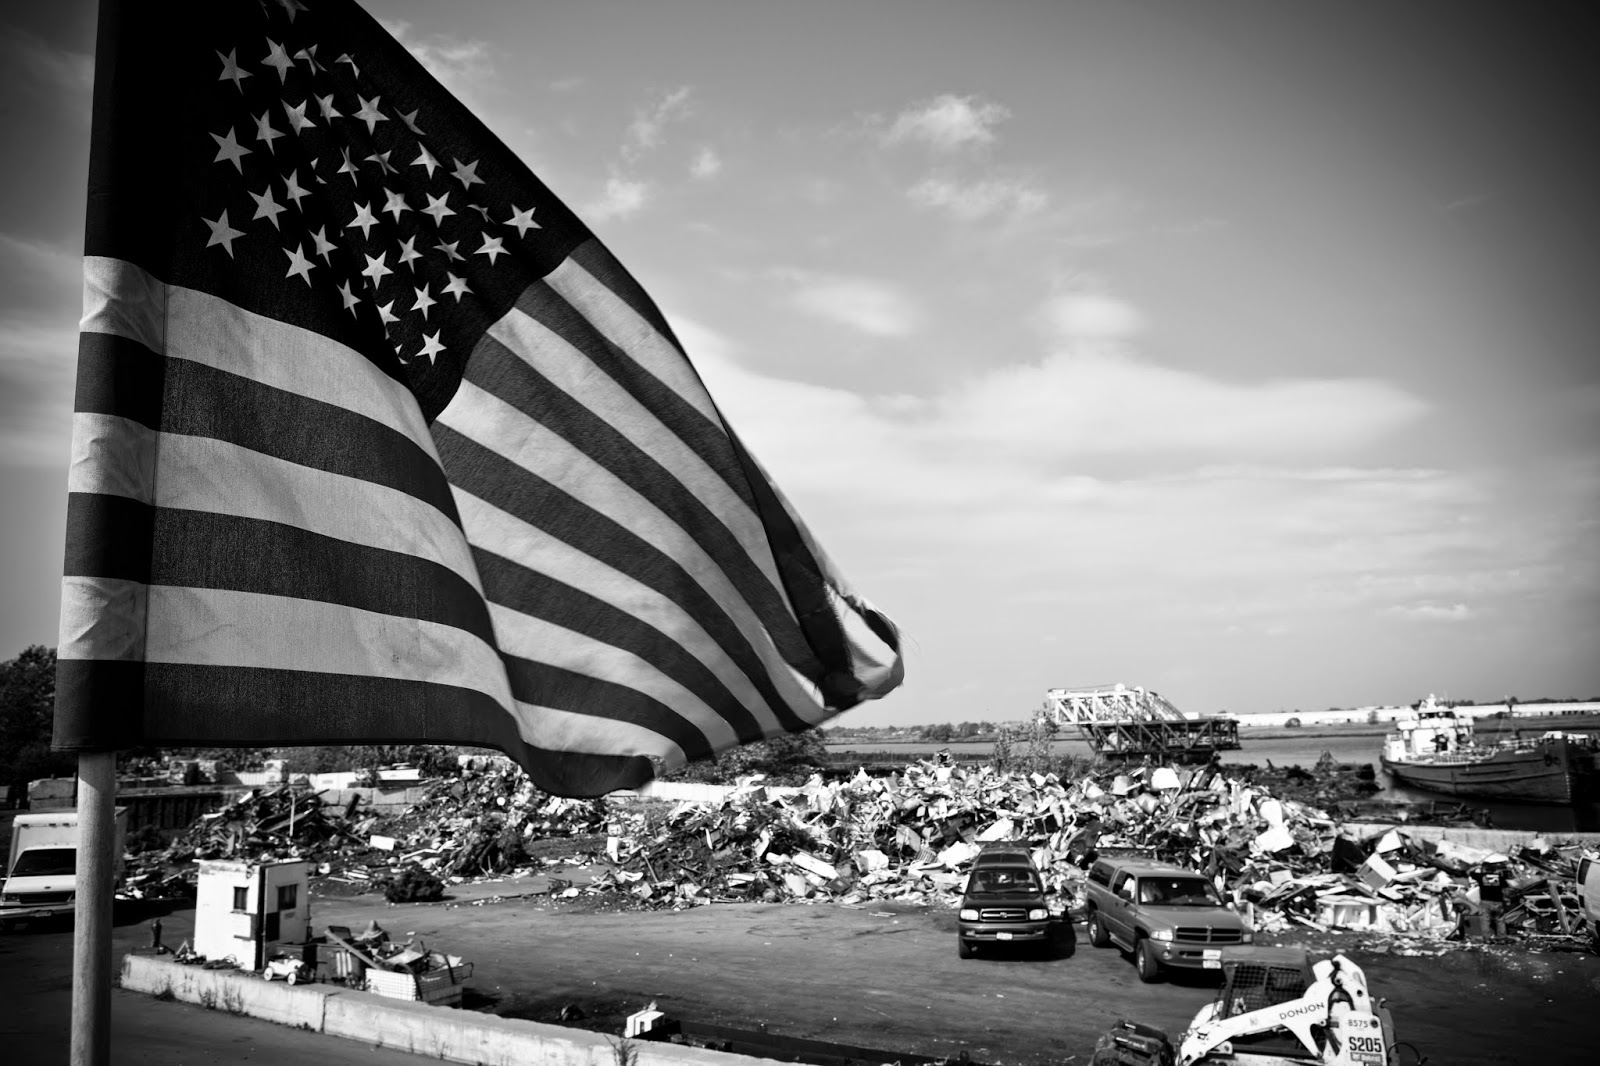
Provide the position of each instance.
(1275, 1008)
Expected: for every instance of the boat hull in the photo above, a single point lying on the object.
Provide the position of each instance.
(1555, 772)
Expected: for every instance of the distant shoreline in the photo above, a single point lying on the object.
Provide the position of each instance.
(1489, 727)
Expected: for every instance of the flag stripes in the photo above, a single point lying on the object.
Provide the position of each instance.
(200, 474)
(625, 608)
(665, 506)
(264, 419)
(637, 542)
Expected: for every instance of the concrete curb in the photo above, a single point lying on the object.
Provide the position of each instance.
(1492, 839)
(437, 1032)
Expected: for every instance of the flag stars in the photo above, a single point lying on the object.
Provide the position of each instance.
(299, 264)
(265, 132)
(355, 71)
(395, 204)
(426, 161)
(431, 346)
(369, 113)
(231, 70)
(326, 109)
(324, 246)
(411, 122)
(386, 315)
(297, 116)
(365, 219)
(466, 173)
(522, 220)
(350, 299)
(228, 148)
(375, 271)
(267, 207)
(309, 55)
(293, 190)
(457, 287)
(424, 301)
(482, 211)
(347, 167)
(492, 247)
(382, 159)
(278, 59)
(409, 253)
(437, 209)
(222, 233)
(449, 250)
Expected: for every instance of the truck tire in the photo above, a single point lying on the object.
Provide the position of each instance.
(1097, 931)
(963, 949)
(1145, 961)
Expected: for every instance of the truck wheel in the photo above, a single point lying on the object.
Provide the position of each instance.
(1097, 931)
(293, 978)
(1145, 961)
(964, 949)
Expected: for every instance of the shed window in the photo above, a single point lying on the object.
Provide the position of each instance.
(288, 897)
(241, 897)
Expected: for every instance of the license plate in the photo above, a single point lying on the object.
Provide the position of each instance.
(1210, 953)
(1211, 964)
(1002, 936)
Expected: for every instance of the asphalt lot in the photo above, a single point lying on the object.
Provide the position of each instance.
(876, 976)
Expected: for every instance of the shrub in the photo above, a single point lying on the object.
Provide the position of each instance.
(413, 884)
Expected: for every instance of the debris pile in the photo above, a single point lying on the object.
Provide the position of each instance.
(909, 837)
(283, 821)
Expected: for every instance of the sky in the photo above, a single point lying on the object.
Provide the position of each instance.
(1240, 350)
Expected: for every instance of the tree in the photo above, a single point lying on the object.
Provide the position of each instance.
(938, 734)
(27, 709)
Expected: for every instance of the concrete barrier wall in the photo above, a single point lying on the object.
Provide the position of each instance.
(1492, 839)
(229, 990)
(438, 1032)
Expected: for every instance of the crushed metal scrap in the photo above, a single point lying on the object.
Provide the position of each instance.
(909, 836)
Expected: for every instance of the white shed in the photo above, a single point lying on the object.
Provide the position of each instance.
(248, 911)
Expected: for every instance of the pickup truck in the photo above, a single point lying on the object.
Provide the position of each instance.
(1165, 915)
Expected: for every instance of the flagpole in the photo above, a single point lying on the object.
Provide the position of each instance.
(91, 935)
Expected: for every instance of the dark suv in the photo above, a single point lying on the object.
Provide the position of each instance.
(1004, 901)
(1165, 915)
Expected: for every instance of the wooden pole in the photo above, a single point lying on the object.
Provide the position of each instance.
(91, 936)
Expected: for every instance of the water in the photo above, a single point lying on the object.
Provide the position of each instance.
(1304, 750)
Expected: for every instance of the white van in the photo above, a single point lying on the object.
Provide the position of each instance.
(1589, 894)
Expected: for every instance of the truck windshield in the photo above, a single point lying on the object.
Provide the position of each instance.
(1011, 880)
(1179, 892)
(46, 862)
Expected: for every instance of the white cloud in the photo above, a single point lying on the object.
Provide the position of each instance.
(462, 66)
(975, 200)
(873, 307)
(1431, 612)
(948, 123)
(1090, 316)
(1085, 401)
(648, 127)
(621, 197)
(706, 163)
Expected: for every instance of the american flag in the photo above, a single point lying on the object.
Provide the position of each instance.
(374, 441)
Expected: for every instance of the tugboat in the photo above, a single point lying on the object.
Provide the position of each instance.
(1434, 748)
